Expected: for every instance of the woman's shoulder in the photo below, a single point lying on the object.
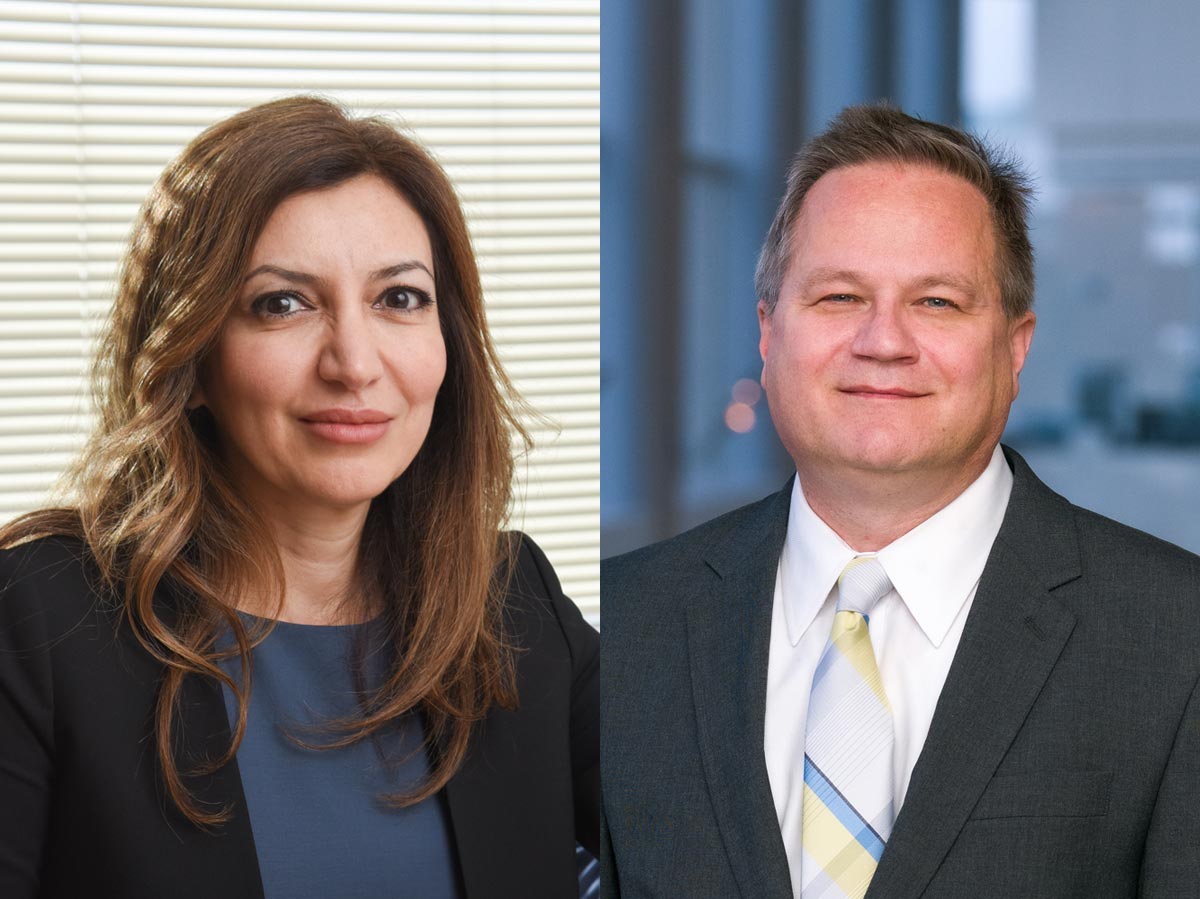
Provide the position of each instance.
(535, 601)
(532, 573)
(44, 560)
(51, 579)
(532, 586)
(43, 554)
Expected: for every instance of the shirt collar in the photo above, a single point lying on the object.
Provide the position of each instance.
(934, 567)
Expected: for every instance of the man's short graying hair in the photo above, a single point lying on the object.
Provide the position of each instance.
(882, 133)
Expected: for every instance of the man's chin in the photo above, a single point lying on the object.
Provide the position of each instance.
(888, 454)
(908, 464)
(886, 464)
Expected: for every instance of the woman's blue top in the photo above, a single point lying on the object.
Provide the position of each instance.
(319, 826)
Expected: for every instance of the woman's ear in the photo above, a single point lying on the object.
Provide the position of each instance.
(197, 399)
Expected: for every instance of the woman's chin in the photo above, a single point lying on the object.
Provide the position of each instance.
(317, 495)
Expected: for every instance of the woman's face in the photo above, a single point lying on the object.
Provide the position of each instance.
(323, 381)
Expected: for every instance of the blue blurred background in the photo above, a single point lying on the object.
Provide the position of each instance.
(704, 101)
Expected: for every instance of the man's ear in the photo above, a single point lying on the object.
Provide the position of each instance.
(764, 329)
(1020, 335)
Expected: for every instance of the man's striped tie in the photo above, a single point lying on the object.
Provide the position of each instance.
(848, 812)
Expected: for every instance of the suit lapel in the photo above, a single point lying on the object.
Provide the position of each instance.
(1013, 636)
(729, 629)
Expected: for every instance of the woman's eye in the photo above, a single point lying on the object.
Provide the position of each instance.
(405, 299)
(277, 305)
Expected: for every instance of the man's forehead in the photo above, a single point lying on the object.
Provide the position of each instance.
(865, 179)
(855, 215)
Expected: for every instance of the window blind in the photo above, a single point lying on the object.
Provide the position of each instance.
(95, 98)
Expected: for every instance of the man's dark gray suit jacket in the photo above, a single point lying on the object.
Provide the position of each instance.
(1063, 759)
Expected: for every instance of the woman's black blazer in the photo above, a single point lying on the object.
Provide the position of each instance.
(82, 808)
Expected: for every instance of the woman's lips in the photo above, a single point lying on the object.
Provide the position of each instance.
(347, 425)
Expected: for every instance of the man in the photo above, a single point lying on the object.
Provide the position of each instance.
(915, 671)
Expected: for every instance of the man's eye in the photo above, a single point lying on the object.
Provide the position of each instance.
(839, 298)
(405, 299)
(938, 303)
(277, 305)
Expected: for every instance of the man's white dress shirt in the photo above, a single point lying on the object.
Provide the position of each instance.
(915, 628)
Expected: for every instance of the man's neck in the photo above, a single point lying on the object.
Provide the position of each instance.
(870, 510)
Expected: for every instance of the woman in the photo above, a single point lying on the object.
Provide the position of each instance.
(280, 647)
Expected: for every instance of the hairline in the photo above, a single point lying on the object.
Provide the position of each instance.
(997, 244)
(881, 134)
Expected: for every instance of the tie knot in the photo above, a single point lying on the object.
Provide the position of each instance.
(862, 584)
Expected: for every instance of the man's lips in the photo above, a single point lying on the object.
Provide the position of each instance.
(347, 425)
(871, 390)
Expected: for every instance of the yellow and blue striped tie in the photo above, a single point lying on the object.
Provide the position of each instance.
(848, 804)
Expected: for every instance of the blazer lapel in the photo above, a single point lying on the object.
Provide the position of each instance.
(1013, 636)
(474, 817)
(205, 863)
(506, 819)
(729, 629)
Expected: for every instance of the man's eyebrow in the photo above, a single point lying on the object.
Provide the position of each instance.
(305, 278)
(856, 279)
(954, 282)
(826, 275)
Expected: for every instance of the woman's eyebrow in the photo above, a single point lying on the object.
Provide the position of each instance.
(289, 274)
(304, 278)
(400, 268)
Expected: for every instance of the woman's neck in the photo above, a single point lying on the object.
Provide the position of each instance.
(319, 554)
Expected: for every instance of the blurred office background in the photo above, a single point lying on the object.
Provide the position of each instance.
(96, 96)
(703, 103)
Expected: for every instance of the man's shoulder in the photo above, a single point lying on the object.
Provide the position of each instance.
(1103, 542)
(1154, 580)
(1105, 537)
(1137, 584)
(727, 538)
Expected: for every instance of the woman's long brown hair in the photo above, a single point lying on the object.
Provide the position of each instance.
(151, 497)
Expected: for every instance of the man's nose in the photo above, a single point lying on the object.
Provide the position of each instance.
(350, 354)
(885, 332)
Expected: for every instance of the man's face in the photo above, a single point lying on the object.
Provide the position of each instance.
(889, 350)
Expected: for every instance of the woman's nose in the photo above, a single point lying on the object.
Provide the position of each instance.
(350, 355)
